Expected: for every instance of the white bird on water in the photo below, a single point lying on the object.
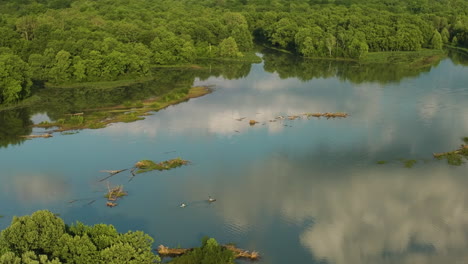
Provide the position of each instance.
(211, 199)
(182, 205)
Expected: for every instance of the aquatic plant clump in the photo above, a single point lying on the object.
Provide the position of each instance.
(454, 157)
(113, 194)
(409, 163)
(149, 165)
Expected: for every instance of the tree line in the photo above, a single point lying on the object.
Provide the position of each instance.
(86, 41)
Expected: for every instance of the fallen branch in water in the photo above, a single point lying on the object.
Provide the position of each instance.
(327, 115)
(111, 173)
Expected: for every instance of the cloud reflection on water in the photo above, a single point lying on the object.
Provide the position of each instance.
(361, 213)
(368, 215)
(38, 188)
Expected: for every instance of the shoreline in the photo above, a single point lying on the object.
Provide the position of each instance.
(102, 117)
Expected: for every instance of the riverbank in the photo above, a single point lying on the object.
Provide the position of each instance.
(101, 117)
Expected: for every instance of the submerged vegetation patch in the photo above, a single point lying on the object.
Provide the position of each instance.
(149, 165)
(381, 162)
(455, 157)
(409, 163)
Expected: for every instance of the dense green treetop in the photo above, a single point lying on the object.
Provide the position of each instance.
(44, 238)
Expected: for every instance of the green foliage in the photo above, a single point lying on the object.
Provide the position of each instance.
(454, 159)
(43, 238)
(436, 41)
(15, 79)
(228, 48)
(358, 49)
(209, 253)
(61, 71)
(38, 232)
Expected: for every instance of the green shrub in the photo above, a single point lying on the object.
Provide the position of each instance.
(209, 253)
(43, 238)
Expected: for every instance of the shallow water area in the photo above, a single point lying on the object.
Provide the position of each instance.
(311, 187)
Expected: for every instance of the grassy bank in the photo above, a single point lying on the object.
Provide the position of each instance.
(100, 118)
(415, 58)
(463, 50)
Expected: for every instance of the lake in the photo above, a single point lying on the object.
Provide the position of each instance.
(298, 191)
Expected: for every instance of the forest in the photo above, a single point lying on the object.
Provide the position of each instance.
(74, 41)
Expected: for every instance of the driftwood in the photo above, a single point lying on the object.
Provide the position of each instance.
(327, 115)
(38, 136)
(172, 252)
(293, 117)
(238, 253)
(308, 115)
(111, 204)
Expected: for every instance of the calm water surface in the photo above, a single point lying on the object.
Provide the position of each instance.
(302, 191)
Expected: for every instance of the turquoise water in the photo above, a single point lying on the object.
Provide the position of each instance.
(297, 191)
